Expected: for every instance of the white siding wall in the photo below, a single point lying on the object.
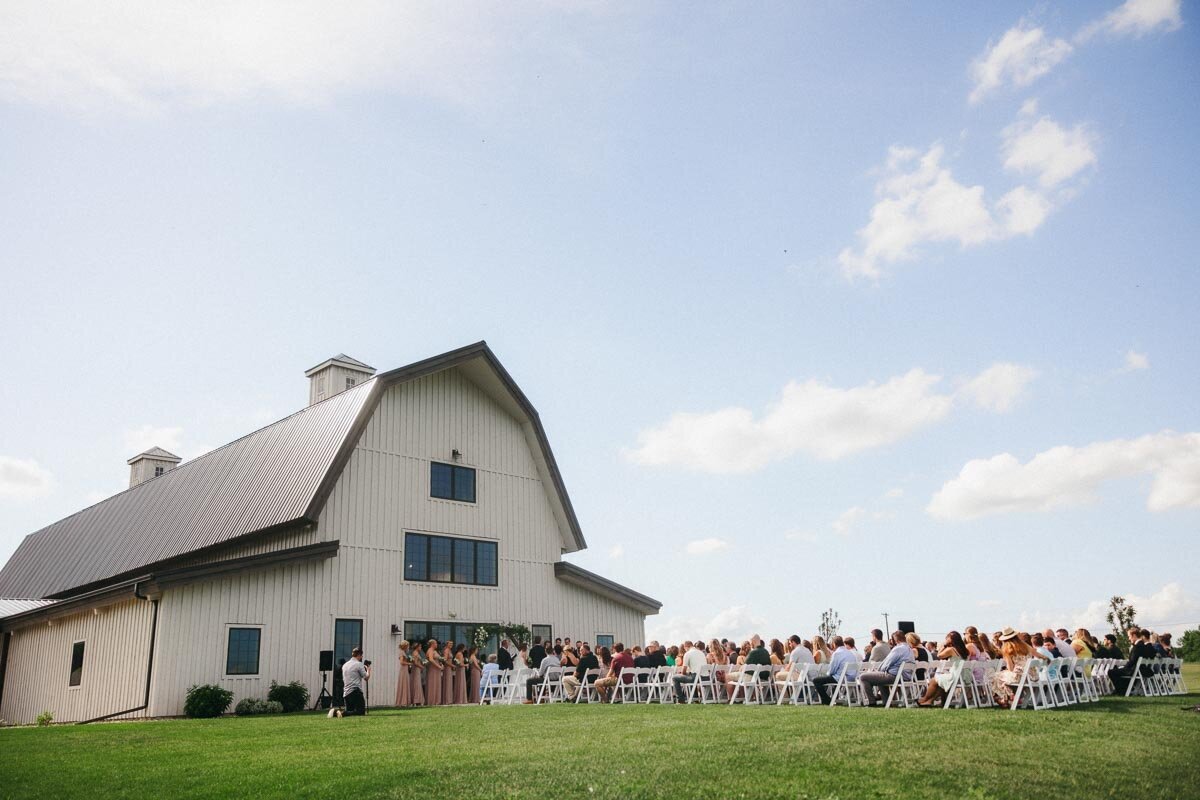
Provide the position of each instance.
(114, 665)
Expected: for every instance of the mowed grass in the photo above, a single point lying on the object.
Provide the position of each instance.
(1116, 748)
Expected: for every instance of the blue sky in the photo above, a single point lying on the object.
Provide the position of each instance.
(885, 308)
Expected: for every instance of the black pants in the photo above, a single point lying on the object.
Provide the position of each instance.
(820, 683)
(530, 685)
(356, 705)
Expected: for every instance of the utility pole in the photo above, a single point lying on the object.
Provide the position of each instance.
(887, 631)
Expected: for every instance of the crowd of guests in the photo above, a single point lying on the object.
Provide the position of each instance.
(873, 668)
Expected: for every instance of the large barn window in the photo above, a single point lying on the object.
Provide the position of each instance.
(419, 633)
(76, 664)
(604, 640)
(443, 559)
(242, 656)
(347, 635)
(452, 482)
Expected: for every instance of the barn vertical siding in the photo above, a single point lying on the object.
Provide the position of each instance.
(117, 644)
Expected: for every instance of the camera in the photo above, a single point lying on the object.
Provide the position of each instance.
(367, 662)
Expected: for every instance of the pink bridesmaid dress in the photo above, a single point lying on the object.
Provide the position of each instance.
(433, 685)
(473, 686)
(417, 678)
(403, 694)
(460, 684)
(448, 683)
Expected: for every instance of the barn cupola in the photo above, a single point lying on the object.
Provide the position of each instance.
(150, 464)
(334, 375)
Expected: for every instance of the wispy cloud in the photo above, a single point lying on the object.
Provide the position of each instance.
(1070, 476)
(814, 417)
(1135, 361)
(1022, 55)
(703, 547)
(1136, 18)
(24, 479)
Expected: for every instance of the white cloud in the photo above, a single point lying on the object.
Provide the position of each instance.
(1022, 211)
(1053, 153)
(1136, 361)
(893, 494)
(703, 547)
(736, 622)
(846, 522)
(918, 201)
(999, 387)
(139, 440)
(148, 56)
(616, 551)
(1171, 608)
(812, 417)
(1136, 18)
(1069, 476)
(1022, 55)
(24, 479)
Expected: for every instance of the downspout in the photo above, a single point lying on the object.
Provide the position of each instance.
(149, 663)
(4, 662)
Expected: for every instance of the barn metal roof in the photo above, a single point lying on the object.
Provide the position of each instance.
(262, 480)
(14, 605)
(274, 478)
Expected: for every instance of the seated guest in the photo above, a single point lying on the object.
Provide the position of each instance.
(1165, 642)
(954, 649)
(621, 661)
(717, 657)
(1141, 648)
(843, 661)
(920, 654)
(799, 654)
(550, 659)
(877, 649)
(820, 651)
(656, 655)
(672, 656)
(1016, 656)
(693, 660)
(569, 657)
(1082, 644)
(1062, 642)
(491, 674)
(777, 654)
(587, 660)
(873, 682)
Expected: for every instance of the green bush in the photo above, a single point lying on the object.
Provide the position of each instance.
(292, 696)
(44, 719)
(252, 705)
(207, 701)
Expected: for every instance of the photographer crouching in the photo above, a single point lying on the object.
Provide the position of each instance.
(355, 675)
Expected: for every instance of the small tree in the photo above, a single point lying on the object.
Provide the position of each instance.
(1120, 616)
(831, 623)
(1189, 645)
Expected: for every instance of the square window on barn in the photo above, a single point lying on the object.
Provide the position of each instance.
(451, 482)
(347, 635)
(76, 664)
(604, 640)
(242, 656)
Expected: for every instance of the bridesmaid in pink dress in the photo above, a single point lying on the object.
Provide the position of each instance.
(448, 674)
(417, 677)
(476, 672)
(433, 683)
(403, 694)
(460, 675)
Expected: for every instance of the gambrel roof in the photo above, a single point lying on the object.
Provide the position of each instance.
(275, 478)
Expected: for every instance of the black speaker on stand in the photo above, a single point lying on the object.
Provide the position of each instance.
(325, 666)
(906, 626)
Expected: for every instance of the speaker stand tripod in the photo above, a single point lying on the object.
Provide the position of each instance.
(324, 695)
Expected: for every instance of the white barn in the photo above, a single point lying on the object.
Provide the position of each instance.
(421, 501)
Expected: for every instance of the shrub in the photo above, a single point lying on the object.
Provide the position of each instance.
(44, 719)
(292, 696)
(207, 701)
(252, 705)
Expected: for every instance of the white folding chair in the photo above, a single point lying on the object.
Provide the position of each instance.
(905, 685)
(747, 686)
(550, 689)
(847, 689)
(587, 689)
(791, 686)
(1138, 679)
(628, 688)
(1032, 687)
(494, 689)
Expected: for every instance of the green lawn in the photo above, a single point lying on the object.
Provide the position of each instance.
(1116, 748)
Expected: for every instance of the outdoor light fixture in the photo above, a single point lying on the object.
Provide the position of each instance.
(454, 454)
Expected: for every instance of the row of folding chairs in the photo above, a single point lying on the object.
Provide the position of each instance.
(1157, 677)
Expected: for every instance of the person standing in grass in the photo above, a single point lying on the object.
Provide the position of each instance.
(433, 675)
(403, 692)
(504, 657)
(417, 677)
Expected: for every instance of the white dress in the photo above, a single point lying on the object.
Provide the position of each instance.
(943, 678)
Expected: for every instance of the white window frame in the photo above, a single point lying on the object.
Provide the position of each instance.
(596, 644)
(262, 640)
(79, 686)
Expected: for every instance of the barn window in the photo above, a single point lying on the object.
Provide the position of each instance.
(452, 482)
(604, 640)
(349, 383)
(347, 635)
(546, 632)
(76, 664)
(242, 655)
(158, 471)
(444, 559)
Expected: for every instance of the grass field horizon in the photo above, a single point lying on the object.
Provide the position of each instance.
(1144, 747)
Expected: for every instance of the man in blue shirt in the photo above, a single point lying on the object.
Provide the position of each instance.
(844, 660)
(875, 683)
